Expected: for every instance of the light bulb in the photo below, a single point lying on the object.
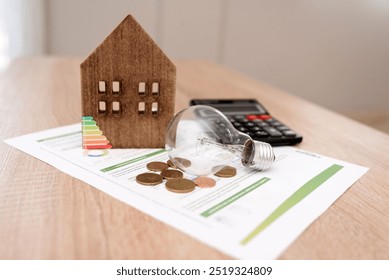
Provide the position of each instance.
(200, 140)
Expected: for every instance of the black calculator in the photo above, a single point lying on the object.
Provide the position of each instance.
(250, 117)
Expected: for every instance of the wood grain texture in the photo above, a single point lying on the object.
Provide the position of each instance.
(45, 214)
(129, 56)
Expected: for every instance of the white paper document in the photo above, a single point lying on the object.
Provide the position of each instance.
(254, 215)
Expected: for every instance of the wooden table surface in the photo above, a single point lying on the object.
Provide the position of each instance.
(46, 214)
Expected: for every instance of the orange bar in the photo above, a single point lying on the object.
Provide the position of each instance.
(91, 137)
(97, 142)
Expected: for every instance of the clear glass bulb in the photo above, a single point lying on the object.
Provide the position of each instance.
(200, 140)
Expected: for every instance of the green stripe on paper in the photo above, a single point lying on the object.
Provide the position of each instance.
(58, 136)
(110, 168)
(87, 118)
(295, 198)
(233, 198)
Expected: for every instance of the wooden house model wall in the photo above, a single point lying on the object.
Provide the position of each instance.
(128, 91)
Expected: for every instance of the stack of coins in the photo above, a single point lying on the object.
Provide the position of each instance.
(175, 178)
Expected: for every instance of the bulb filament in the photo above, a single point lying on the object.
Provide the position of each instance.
(235, 149)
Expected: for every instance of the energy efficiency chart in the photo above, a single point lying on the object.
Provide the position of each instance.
(92, 136)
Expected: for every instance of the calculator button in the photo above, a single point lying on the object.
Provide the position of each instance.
(275, 123)
(236, 124)
(251, 117)
(261, 123)
(282, 128)
(261, 134)
(289, 133)
(272, 131)
(249, 124)
(242, 129)
(239, 117)
(263, 117)
(255, 128)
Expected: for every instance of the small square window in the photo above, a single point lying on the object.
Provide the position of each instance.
(155, 89)
(141, 108)
(102, 107)
(115, 87)
(115, 107)
(142, 88)
(154, 108)
(101, 86)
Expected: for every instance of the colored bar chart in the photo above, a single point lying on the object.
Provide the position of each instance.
(92, 136)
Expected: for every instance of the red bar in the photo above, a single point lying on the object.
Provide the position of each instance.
(97, 147)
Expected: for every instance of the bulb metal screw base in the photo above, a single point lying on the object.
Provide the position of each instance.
(258, 155)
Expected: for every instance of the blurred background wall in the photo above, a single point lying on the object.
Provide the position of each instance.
(334, 53)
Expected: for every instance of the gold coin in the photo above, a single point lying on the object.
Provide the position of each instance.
(149, 179)
(204, 182)
(171, 174)
(225, 172)
(157, 166)
(182, 162)
(171, 164)
(180, 185)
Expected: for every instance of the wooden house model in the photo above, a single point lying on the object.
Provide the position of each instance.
(128, 91)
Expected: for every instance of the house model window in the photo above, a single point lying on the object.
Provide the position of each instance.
(142, 88)
(155, 89)
(141, 108)
(115, 87)
(115, 107)
(154, 108)
(101, 86)
(102, 107)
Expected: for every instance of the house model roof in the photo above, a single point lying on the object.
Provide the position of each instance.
(131, 42)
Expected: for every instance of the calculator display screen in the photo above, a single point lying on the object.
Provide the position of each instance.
(240, 108)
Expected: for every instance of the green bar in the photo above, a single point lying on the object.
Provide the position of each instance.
(88, 122)
(131, 161)
(57, 137)
(295, 198)
(92, 132)
(233, 198)
(90, 127)
(87, 118)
